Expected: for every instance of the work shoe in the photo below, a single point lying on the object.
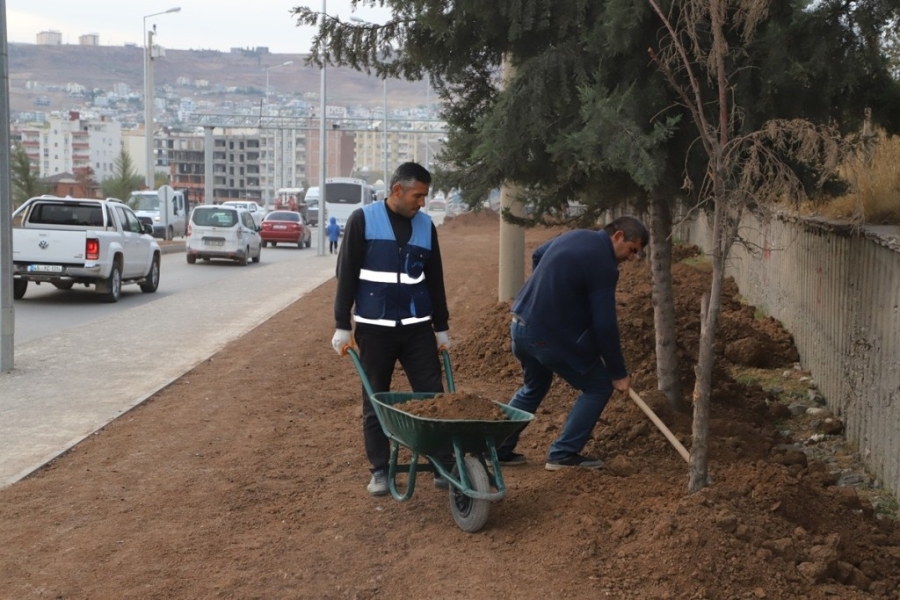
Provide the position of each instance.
(575, 460)
(512, 458)
(378, 485)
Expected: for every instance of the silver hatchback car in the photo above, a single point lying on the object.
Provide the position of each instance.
(219, 231)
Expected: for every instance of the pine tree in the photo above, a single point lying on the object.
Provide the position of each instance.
(26, 183)
(591, 116)
(125, 179)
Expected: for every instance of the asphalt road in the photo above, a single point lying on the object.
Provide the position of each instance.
(74, 374)
(71, 378)
(46, 310)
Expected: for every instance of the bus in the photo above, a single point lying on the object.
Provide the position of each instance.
(343, 195)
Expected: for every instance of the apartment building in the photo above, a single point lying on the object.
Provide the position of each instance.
(406, 141)
(49, 38)
(69, 145)
(250, 163)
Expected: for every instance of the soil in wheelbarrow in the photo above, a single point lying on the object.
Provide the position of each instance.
(457, 406)
(246, 477)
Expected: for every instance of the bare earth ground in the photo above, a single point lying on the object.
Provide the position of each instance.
(246, 479)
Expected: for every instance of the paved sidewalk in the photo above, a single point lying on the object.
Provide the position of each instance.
(65, 387)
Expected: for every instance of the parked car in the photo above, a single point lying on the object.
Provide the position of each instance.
(256, 211)
(437, 203)
(286, 227)
(220, 231)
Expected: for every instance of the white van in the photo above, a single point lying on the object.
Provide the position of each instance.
(312, 206)
(220, 231)
(145, 205)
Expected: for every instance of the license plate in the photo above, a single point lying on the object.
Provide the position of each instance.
(279, 227)
(214, 242)
(45, 268)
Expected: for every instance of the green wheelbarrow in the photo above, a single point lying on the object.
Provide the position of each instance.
(475, 478)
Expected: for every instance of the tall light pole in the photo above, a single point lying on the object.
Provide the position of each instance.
(284, 64)
(323, 193)
(148, 96)
(387, 174)
(7, 309)
(267, 198)
(427, 117)
(384, 137)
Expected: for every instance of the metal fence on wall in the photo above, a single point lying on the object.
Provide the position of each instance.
(837, 290)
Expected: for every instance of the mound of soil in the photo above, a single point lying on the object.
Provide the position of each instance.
(455, 406)
(238, 481)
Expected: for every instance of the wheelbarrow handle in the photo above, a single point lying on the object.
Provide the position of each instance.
(445, 355)
(359, 369)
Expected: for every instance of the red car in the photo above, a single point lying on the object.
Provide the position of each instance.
(286, 227)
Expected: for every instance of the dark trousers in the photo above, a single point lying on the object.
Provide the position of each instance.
(332, 245)
(379, 350)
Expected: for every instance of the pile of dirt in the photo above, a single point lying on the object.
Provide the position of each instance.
(455, 406)
(247, 480)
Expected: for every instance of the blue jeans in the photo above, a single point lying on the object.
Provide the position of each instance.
(539, 363)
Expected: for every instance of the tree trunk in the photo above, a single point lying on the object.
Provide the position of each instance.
(663, 299)
(709, 319)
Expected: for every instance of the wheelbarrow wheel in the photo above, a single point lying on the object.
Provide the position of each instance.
(471, 514)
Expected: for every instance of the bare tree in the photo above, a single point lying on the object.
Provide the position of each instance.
(744, 170)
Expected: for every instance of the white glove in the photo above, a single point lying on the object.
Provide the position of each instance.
(341, 341)
(443, 340)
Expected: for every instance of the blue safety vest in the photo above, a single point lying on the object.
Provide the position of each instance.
(392, 288)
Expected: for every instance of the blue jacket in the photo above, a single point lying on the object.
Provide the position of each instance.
(570, 300)
(392, 289)
(333, 230)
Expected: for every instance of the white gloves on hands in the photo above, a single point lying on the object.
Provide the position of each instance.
(341, 341)
(443, 340)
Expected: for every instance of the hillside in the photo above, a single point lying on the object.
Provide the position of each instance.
(104, 66)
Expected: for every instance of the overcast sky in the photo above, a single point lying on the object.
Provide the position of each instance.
(201, 24)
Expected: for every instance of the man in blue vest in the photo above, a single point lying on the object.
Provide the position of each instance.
(390, 274)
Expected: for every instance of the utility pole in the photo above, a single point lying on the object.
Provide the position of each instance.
(512, 237)
(150, 163)
(7, 310)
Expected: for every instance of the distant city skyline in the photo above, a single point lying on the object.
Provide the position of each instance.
(200, 25)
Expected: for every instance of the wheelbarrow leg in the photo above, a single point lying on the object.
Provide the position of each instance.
(394, 468)
(495, 474)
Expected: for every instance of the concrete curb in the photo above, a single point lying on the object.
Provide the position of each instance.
(172, 247)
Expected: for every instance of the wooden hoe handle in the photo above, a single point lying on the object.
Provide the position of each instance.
(662, 426)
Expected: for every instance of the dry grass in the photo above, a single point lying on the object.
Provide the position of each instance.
(874, 195)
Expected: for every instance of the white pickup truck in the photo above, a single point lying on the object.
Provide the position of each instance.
(64, 241)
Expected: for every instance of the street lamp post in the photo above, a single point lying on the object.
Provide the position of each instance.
(387, 174)
(427, 117)
(284, 64)
(323, 190)
(148, 96)
(271, 156)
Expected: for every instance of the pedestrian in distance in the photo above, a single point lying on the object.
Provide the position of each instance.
(334, 233)
(391, 277)
(564, 323)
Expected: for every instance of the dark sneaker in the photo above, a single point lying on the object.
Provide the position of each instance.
(512, 459)
(576, 460)
(440, 483)
(378, 485)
